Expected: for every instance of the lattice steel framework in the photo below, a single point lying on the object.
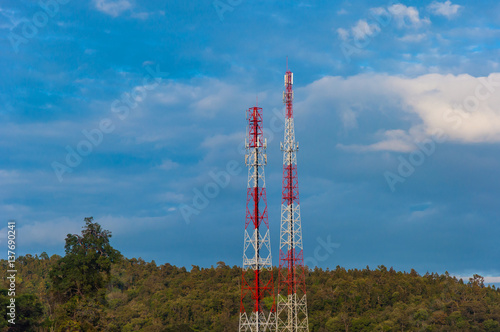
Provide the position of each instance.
(291, 312)
(257, 283)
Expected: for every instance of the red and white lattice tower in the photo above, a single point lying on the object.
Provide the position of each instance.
(291, 312)
(257, 306)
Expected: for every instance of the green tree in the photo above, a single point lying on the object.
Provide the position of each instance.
(85, 268)
(28, 314)
(491, 325)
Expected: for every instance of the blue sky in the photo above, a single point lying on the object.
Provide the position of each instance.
(124, 110)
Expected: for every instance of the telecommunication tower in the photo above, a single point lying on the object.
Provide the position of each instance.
(291, 312)
(257, 305)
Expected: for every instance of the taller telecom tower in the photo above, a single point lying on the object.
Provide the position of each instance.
(291, 313)
(257, 305)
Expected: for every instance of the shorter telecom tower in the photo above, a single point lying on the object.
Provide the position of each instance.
(257, 284)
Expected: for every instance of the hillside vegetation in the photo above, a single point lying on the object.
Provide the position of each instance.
(94, 288)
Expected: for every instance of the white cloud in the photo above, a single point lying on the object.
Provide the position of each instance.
(444, 8)
(362, 29)
(423, 215)
(220, 140)
(47, 233)
(403, 16)
(167, 165)
(407, 16)
(112, 8)
(349, 119)
(206, 98)
(394, 140)
(379, 12)
(11, 177)
(171, 197)
(343, 33)
(359, 31)
(464, 108)
(413, 38)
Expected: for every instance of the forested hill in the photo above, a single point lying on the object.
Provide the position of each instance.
(145, 297)
(91, 289)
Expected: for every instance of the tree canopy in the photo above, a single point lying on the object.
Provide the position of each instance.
(85, 268)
